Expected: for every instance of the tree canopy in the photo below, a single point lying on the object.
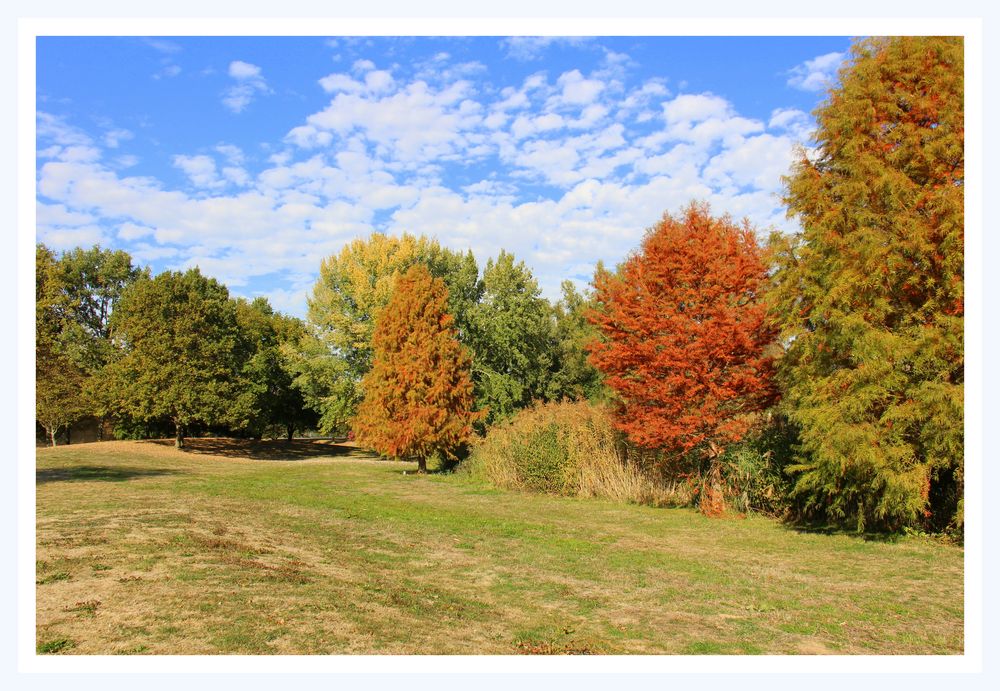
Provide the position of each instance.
(870, 293)
(353, 288)
(180, 356)
(684, 335)
(418, 394)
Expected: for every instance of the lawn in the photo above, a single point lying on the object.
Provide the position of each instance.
(318, 549)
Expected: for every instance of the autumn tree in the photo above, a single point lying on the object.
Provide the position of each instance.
(684, 335)
(180, 357)
(353, 288)
(870, 292)
(418, 394)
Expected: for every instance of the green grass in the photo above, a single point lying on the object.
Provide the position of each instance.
(143, 549)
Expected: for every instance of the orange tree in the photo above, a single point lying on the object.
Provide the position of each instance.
(418, 394)
(684, 337)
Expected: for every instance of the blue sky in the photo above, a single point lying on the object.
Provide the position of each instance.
(255, 158)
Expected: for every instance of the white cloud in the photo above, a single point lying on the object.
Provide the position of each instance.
(576, 90)
(243, 70)
(200, 171)
(232, 153)
(249, 83)
(527, 48)
(115, 137)
(816, 74)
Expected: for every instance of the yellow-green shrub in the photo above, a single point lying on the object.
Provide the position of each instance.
(567, 448)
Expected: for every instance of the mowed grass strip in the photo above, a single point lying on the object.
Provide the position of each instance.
(246, 548)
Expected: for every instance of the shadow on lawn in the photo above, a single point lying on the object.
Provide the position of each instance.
(96, 473)
(266, 450)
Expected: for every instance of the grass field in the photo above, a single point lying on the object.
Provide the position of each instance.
(261, 548)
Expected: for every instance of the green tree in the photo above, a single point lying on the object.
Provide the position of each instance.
(573, 376)
(353, 288)
(267, 395)
(180, 358)
(418, 393)
(511, 338)
(870, 293)
(60, 398)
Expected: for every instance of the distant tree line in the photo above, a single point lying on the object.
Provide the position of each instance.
(820, 375)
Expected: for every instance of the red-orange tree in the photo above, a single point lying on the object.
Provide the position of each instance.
(418, 394)
(684, 334)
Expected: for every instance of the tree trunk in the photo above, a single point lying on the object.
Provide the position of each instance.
(291, 432)
(52, 434)
(69, 428)
(179, 439)
(421, 465)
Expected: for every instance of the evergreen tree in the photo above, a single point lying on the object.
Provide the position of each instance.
(870, 293)
(418, 393)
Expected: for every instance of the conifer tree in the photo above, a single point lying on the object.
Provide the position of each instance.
(683, 335)
(870, 293)
(418, 394)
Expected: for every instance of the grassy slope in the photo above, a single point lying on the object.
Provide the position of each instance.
(145, 549)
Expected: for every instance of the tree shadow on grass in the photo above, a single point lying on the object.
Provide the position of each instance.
(267, 450)
(96, 473)
(827, 529)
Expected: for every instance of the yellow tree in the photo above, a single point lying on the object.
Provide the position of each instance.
(418, 394)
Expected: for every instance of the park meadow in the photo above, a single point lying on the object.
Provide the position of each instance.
(725, 444)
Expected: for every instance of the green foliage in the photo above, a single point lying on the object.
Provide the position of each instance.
(573, 376)
(181, 353)
(511, 339)
(267, 395)
(870, 293)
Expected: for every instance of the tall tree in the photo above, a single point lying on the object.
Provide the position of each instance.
(573, 375)
(684, 335)
(267, 396)
(353, 288)
(418, 394)
(60, 398)
(870, 293)
(181, 352)
(511, 338)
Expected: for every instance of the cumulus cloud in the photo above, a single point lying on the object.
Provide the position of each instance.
(200, 171)
(444, 157)
(249, 83)
(816, 74)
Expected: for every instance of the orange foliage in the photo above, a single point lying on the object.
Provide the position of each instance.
(418, 394)
(684, 334)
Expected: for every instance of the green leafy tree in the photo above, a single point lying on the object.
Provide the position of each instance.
(353, 288)
(75, 295)
(418, 394)
(60, 398)
(870, 293)
(181, 357)
(573, 376)
(511, 338)
(267, 395)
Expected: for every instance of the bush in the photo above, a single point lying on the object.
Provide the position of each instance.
(570, 449)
